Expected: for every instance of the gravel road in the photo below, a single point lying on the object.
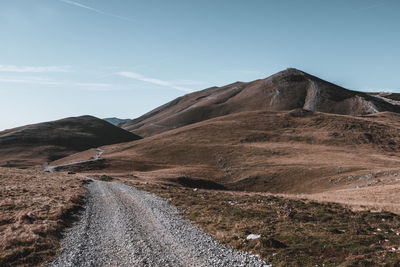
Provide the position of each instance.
(123, 226)
(53, 168)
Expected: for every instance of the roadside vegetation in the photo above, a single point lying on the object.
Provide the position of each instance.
(293, 232)
(35, 208)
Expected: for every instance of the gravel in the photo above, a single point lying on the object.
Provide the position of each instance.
(123, 226)
(96, 157)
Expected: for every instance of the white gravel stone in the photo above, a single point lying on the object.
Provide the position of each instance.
(253, 236)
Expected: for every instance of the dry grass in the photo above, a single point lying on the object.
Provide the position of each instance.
(38, 144)
(35, 207)
(293, 232)
(376, 198)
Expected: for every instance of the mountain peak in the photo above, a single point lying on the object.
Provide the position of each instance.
(286, 90)
(290, 72)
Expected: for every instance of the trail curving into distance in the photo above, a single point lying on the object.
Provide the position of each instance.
(53, 168)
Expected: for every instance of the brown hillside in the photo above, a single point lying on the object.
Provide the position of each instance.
(295, 151)
(285, 90)
(44, 142)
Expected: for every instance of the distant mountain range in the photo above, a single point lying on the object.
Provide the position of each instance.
(116, 121)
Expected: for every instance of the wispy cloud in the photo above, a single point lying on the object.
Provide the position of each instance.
(371, 6)
(242, 71)
(11, 68)
(376, 5)
(93, 84)
(29, 80)
(379, 90)
(139, 77)
(74, 3)
(46, 81)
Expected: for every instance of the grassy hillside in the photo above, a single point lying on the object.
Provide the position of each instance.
(38, 144)
(281, 152)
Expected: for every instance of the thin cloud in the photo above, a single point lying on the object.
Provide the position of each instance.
(73, 3)
(45, 81)
(34, 69)
(369, 7)
(139, 77)
(375, 90)
(93, 84)
(29, 80)
(242, 71)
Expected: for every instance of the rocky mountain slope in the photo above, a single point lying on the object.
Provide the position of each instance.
(286, 90)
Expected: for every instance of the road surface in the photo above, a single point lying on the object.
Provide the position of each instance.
(123, 226)
(53, 168)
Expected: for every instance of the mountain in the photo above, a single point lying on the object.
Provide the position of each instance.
(44, 142)
(116, 121)
(289, 133)
(286, 90)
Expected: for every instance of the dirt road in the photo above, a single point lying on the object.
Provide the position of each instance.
(122, 226)
(95, 158)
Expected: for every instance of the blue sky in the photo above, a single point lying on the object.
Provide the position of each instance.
(61, 58)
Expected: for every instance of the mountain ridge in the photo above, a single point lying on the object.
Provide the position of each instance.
(285, 90)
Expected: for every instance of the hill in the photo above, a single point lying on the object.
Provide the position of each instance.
(44, 142)
(286, 90)
(296, 151)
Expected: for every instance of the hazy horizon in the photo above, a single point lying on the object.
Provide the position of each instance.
(62, 58)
